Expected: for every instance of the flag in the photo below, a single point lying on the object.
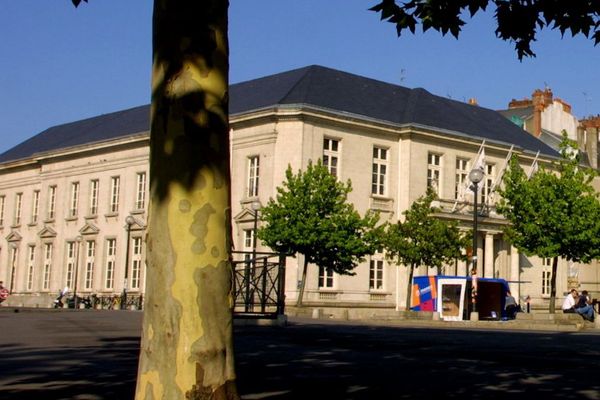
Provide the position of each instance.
(534, 166)
(499, 177)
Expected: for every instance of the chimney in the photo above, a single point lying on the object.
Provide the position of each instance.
(473, 101)
(591, 128)
(537, 99)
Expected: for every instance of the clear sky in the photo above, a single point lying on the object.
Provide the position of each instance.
(60, 64)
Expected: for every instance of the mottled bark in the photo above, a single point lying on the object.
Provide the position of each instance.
(187, 347)
(411, 272)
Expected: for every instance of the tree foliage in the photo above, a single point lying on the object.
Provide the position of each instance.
(311, 216)
(518, 21)
(555, 213)
(423, 239)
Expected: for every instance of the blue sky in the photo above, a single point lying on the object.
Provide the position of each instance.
(60, 64)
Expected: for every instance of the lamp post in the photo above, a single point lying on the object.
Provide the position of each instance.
(129, 221)
(78, 240)
(475, 176)
(256, 206)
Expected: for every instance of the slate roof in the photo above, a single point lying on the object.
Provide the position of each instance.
(314, 86)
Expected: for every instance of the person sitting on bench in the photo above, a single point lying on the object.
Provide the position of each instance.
(584, 306)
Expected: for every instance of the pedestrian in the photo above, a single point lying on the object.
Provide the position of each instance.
(584, 307)
(3, 292)
(511, 308)
(568, 305)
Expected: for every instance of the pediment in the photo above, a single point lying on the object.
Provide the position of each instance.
(244, 215)
(47, 232)
(137, 225)
(13, 237)
(89, 229)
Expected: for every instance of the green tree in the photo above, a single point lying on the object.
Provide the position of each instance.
(555, 213)
(518, 20)
(311, 216)
(423, 239)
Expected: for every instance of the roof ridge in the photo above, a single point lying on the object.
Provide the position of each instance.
(308, 71)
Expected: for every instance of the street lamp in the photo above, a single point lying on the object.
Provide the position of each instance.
(475, 176)
(78, 239)
(256, 206)
(129, 221)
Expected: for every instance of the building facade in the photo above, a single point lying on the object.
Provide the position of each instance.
(391, 142)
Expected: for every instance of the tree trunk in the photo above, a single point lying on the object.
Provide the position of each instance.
(552, 308)
(411, 270)
(187, 346)
(302, 283)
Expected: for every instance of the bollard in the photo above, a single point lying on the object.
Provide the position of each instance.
(474, 316)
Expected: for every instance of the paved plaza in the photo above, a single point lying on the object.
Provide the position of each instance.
(88, 354)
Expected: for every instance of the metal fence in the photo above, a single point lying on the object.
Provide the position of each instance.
(258, 284)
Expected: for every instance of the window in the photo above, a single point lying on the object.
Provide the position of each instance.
(376, 272)
(74, 202)
(331, 155)
(546, 276)
(488, 181)
(71, 260)
(325, 278)
(13, 270)
(94, 186)
(2, 201)
(30, 266)
(35, 206)
(462, 176)
(140, 198)
(433, 172)
(18, 204)
(111, 252)
(115, 183)
(136, 263)
(379, 171)
(51, 202)
(253, 174)
(48, 249)
(90, 253)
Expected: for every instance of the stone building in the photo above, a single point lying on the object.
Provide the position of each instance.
(66, 194)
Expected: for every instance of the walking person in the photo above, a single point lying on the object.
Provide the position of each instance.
(3, 292)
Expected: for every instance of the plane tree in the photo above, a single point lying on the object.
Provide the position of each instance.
(553, 214)
(423, 239)
(311, 216)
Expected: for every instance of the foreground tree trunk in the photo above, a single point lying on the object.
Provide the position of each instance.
(552, 308)
(187, 347)
(300, 298)
(411, 272)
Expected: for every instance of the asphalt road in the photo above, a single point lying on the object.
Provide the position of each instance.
(93, 355)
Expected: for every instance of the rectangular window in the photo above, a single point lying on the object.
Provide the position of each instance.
(379, 171)
(90, 255)
(35, 206)
(546, 276)
(2, 202)
(434, 172)
(71, 255)
(325, 278)
(462, 175)
(253, 174)
(18, 204)
(30, 266)
(376, 272)
(115, 183)
(51, 203)
(74, 202)
(136, 263)
(488, 181)
(14, 257)
(111, 253)
(140, 198)
(48, 249)
(331, 149)
(94, 186)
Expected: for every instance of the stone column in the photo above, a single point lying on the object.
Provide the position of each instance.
(488, 262)
(514, 273)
